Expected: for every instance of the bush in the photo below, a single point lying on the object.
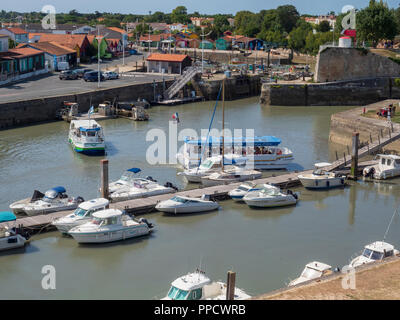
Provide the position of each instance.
(397, 82)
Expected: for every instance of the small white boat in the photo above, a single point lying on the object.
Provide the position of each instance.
(387, 167)
(313, 270)
(10, 238)
(322, 179)
(81, 215)
(86, 136)
(373, 252)
(141, 188)
(238, 193)
(53, 200)
(208, 166)
(269, 197)
(197, 286)
(231, 175)
(127, 179)
(180, 204)
(110, 225)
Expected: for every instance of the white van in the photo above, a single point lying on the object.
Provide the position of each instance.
(61, 66)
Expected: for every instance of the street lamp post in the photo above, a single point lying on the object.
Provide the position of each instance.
(202, 49)
(149, 33)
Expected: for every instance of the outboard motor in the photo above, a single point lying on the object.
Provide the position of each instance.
(150, 225)
(80, 200)
(150, 178)
(370, 173)
(290, 192)
(170, 185)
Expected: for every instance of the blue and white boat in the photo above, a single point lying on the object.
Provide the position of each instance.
(10, 237)
(261, 152)
(86, 136)
(52, 200)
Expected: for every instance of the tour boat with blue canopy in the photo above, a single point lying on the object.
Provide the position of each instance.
(261, 152)
(52, 200)
(10, 237)
(86, 136)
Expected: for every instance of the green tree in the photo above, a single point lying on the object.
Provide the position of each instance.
(288, 17)
(298, 36)
(376, 22)
(324, 26)
(179, 15)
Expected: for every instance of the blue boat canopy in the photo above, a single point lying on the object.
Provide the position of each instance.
(134, 170)
(257, 141)
(7, 216)
(89, 129)
(59, 189)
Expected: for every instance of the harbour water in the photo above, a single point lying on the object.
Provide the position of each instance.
(264, 247)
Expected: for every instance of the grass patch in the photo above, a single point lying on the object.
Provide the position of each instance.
(372, 114)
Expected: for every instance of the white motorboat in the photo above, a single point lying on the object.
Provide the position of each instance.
(230, 175)
(127, 179)
(322, 179)
(110, 225)
(180, 204)
(208, 166)
(373, 252)
(53, 200)
(262, 153)
(238, 193)
(388, 167)
(141, 188)
(313, 270)
(197, 286)
(81, 215)
(86, 136)
(270, 196)
(10, 238)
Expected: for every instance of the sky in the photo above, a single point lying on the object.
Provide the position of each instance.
(202, 6)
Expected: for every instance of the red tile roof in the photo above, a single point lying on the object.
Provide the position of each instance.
(68, 40)
(16, 30)
(25, 52)
(167, 57)
(52, 48)
(116, 29)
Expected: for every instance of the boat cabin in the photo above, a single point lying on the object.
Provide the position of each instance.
(388, 162)
(378, 251)
(86, 129)
(87, 208)
(107, 217)
(189, 287)
(315, 270)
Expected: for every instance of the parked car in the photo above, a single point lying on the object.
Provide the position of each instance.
(109, 75)
(93, 76)
(68, 75)
(81, 72)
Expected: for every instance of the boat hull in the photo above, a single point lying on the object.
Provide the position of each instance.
(12, 242)
(34, 212)
(310, 183)
(206, 182)
(270, 203)
(191, 209)
(111, 236)
(124, 197)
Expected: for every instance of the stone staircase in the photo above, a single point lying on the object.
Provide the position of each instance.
(188, 74)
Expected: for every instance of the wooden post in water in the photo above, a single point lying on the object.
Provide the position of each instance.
(104, 178)
(230, 285)
(354, 156)
(337, 157)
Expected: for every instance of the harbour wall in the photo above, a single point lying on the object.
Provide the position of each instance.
(341, 93)
(344, 124)
(27, 112)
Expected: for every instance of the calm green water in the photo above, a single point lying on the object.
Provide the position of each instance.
(264, 247)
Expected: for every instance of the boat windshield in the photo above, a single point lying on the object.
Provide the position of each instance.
(179, 199)
(319, 172)
(97, 221)
(311, 273)
(80, 212)
(243, 188)
(177, 294)
(374, 255)
(206, 164)
(126, 176)
(270, 191)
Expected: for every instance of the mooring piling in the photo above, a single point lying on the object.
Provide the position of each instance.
(230, 285)
(354, 156)
(104, 178)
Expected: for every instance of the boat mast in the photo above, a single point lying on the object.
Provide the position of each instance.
(223, 123)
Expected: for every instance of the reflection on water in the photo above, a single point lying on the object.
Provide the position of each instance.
(264, 247)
